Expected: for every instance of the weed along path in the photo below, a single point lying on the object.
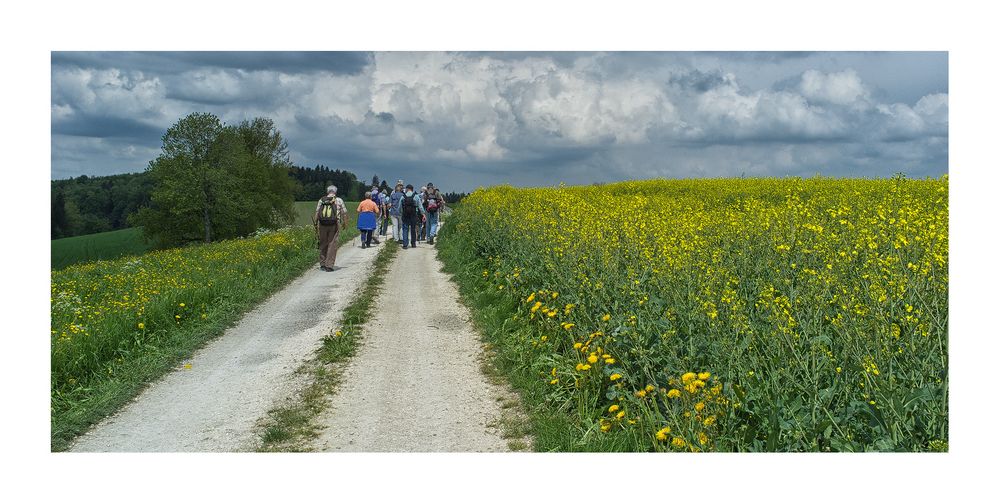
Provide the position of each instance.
(212, 403)
(415, 384)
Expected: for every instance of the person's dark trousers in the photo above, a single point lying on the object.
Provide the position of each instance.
(410, 228)
(368, 237)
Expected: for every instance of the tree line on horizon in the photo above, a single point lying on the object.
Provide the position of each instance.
(211, 181)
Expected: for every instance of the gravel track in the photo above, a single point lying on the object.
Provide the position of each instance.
(236, 378)
(415, 384)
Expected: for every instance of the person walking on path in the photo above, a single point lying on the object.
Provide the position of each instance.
(367, 217)
(422, 234)
(410, 213)
(378, 202)
(329, 218)
(394, 199)
(384, 207)
(433, 204)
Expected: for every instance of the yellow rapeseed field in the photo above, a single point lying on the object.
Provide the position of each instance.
(730, 314)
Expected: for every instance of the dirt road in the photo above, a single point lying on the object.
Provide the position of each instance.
(415, 383)
(235, 379)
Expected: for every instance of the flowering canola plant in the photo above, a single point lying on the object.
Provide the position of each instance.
(728, 314)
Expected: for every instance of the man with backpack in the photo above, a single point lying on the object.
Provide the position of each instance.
(411, 211)
(330, 217)
(394, 199)
(433, 205)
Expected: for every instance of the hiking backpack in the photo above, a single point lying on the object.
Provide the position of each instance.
(409, 206)
(328, 212)
(432, 205)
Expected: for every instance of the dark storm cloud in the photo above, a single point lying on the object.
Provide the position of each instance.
(166, 63)
(108, 127)
(525, 118)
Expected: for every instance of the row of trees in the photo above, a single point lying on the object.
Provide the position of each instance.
(311, 183)
(85, 205)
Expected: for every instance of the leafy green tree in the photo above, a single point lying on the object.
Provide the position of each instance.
(214, 181)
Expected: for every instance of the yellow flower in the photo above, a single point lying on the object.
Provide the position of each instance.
(702, 438)
(661, 434)
(709, 421)
(592, 359)
(530, 298)
(606, 317)
(640, 393)
(605, 427)
(678, 442)
(182, 305)
(577, 345)
(704, 376)
(839, 369)
(569, 326)
(609, 360)
(613, 408)
(555, 295)
(585, 367)
(554, 381)
(650, 388)
(620, 415)
(615, 377)
(700, 406)
(187, 366)
(141, 325)
(674, 393)
(687, 377)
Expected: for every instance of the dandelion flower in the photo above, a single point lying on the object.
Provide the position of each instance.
(606, 317)
(609, 360)
(553, 381)
(678, 442)
(577, 345)
(674, 393)
(704, 376)
(592, 359)
(616, 377)
(141, 325)
(620, 415)
(661, 434)
(700, 406)
(687, 377)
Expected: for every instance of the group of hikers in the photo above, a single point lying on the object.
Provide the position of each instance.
(413, 217)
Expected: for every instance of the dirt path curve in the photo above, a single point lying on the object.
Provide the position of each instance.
(235, 379)
(415, 384)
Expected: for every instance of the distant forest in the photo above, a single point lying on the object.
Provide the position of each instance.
(86, 205)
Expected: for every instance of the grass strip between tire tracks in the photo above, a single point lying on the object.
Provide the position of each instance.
(290, 427)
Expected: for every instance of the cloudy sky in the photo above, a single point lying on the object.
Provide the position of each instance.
(463, 120)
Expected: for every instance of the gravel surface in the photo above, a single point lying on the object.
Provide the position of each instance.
(235, 379)
(415, 384)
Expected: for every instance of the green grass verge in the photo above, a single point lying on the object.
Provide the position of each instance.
(129, 241)
(553, 427)
(292, 426)
(74, 411)
(93, 247)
